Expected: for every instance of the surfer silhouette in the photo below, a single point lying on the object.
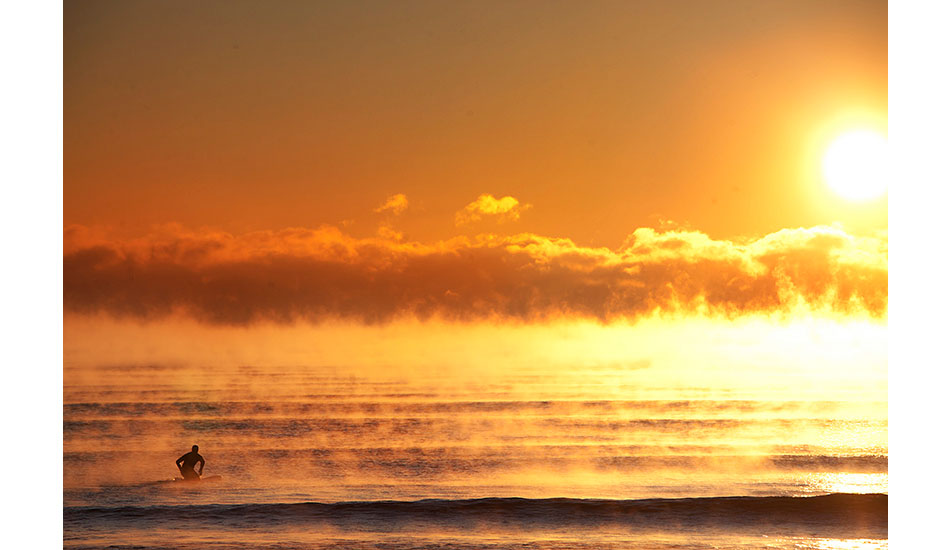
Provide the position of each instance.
(186, 464)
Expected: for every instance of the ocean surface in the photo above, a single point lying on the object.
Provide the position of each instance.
(322, 457)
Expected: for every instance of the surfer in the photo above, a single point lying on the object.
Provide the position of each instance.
(186, 464)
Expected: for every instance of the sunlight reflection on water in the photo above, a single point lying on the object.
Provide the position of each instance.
(848, 482)
(838, 544)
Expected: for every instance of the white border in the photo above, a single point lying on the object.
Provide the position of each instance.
(31, 209)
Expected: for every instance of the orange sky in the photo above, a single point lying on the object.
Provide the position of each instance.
(380, 166)
(598, 118)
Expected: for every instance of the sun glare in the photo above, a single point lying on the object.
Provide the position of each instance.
(855, 165)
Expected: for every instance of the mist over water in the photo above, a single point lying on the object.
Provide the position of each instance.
(279, 435)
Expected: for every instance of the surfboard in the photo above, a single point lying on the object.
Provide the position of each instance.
(205, 478)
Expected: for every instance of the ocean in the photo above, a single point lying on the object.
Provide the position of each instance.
(311, 456)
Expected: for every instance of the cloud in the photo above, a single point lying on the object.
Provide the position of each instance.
(386, 232)
(322, 274)
(505, 208)
(397, 204)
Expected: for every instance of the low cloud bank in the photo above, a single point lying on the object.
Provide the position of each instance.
(322, 274)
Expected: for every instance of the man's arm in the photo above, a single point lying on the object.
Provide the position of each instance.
(180, 460)
(201, 461)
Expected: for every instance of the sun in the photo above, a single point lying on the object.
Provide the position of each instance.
(856, 165)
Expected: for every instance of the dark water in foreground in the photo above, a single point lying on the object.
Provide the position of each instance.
(570, 523)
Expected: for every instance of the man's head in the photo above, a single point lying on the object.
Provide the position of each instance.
(194, 448)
